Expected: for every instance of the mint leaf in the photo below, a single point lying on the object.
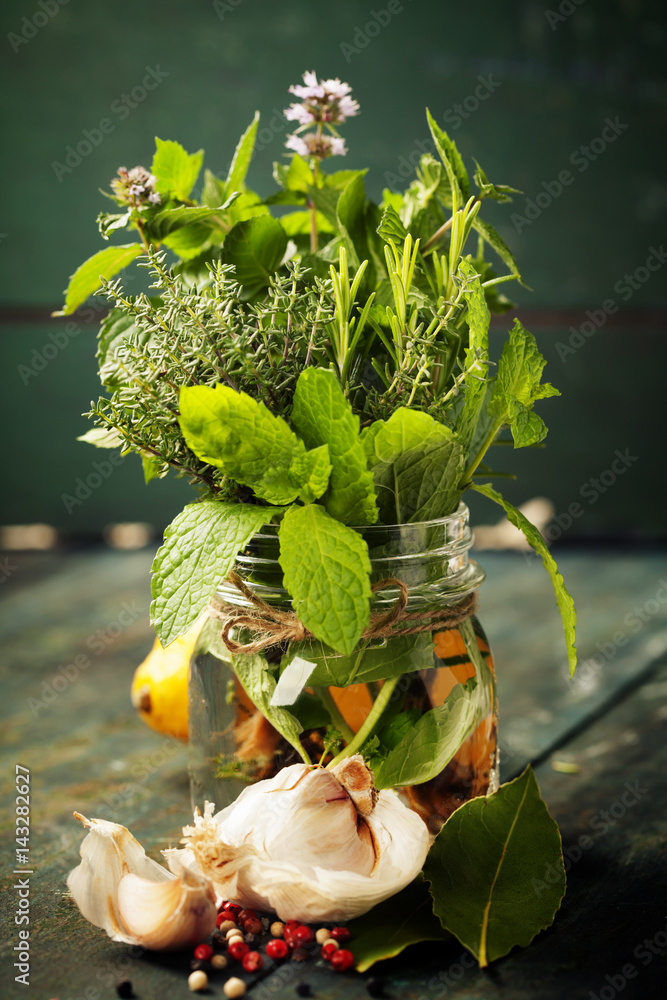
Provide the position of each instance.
(259, 684)
(326, 570)
(378, 662)
(391, 229)
(518, 387)
(86, 280)
(323, 416)
(239, 435)
(175, 170)
(417, 465)
(452, 161)
(428, 747)
(214, 191)
(498, 192)
(404, 919)
(200, 546)
(166, 222)
(477, 354)
(565, 602)
(242, 157)
(487, 866)
(495, 240)
(255, 247)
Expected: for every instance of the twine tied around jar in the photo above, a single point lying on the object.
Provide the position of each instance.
(273, 626)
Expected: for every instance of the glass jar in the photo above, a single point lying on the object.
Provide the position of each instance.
(439, 724)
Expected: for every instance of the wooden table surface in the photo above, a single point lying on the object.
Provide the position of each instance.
(71, 723)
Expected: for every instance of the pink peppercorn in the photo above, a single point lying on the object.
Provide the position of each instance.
(302, 935)
(237, 949)
(277, 949)
(340, 934)
(253, 961)
(342, 960)
(203, 952)
(328, 948)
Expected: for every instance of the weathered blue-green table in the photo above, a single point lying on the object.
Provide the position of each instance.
(72, 630)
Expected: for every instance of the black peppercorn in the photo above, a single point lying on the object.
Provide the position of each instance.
(375, 987)
(124, 989)
(303, 990)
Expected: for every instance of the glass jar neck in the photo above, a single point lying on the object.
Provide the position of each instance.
(430, 557)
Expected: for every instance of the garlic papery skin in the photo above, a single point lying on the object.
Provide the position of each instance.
(133, 898)
(298, 845)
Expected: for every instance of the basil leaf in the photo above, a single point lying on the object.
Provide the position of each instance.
(200, 546)
(174, 169)
(429, 746)
(255, 247)
(487, 865)
(518, 387)
(565, 602)
(239, 435)
(323, 416)
(242, 157)
(380, 661)
(404, 919)
(86, 279)
(476, 357)
(259, 684)
(417, 465)
(326, 570)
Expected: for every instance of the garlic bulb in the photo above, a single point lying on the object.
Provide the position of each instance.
(298, 844)
(134, 899)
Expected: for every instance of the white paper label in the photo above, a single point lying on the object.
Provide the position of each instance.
(292, 681)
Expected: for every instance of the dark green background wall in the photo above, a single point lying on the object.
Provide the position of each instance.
(556, 78)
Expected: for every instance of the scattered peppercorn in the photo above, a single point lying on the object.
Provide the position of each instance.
(244, 915)
(234, 932)
(303, 990)
(375, 987)
(204, 952)
(322, 935)
(234, 987)
(224, 918)
(124, 989)
(197, 981)
(226, 915)
(340, 934)
(253, 961)
(219, 962)
(328, 948)
(237, 949)
(342, 960)
(218, 940)
(277, 949)
(277, 928)
(198, 963)
(303, 935)
(299, 955)
(253, 926)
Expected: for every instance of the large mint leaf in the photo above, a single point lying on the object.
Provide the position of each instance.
(477, 355)
(255, 247)
(565, 602)
(417, 465)
(200, 546)
(242, 157)
(451, 159)
(326, 570)
(370, 662)
(86, 279)
(175, 170)
(239, 435)
(322, 415)
(429, 746)
(259, 684)
(487, 867)
(518, 387)
(171, 220)
(404, 919)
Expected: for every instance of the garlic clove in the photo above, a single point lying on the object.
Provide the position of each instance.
(133, 898)
(166, 915)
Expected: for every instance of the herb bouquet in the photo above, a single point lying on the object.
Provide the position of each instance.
(318, 366)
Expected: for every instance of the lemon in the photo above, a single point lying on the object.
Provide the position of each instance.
(160, 685)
